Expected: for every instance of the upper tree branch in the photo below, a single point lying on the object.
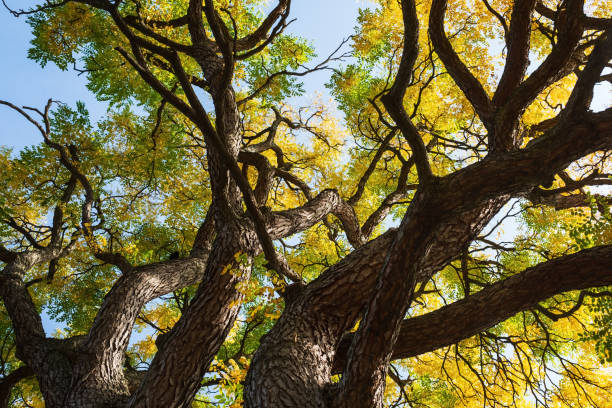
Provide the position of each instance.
(47, 6)
(498, 16)
(517, 58)
(394, 99)
(223, 103)
(323, 65)
(582, 94)
(195, 23)
(225, 44)
(196, 111)
(371, 167)
(593, 23)
(69, 159)
(556, 65)
(280, 13)
(468, 83)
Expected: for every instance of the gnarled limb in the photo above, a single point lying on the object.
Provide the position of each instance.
(281, 224)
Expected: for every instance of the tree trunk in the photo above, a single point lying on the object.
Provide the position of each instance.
(294, 362)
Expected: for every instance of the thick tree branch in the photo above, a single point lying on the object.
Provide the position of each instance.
(26, 321)
(498, 302)
(562, 201)
(6, 256)
(286, 223)
(195, 23)
(112, 327)
(512, 173)
(205, 236)
(582, 94)
(592, 23)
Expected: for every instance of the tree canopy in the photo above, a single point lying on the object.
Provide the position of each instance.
(437, 234)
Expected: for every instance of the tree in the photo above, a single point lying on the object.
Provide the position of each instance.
(249, 236)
